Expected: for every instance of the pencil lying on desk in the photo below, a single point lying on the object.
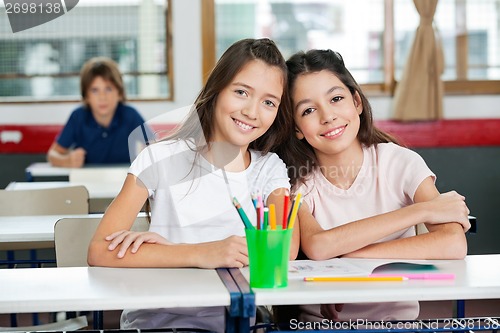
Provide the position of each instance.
(419, 276)
(355, 279)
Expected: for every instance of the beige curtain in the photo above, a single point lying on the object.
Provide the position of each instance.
(419, 94)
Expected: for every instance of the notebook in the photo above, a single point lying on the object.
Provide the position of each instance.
(339, 267)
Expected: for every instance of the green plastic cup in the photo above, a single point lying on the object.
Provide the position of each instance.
(269, 252)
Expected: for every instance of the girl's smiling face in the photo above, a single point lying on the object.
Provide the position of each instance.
(247, 107)
(326, 113)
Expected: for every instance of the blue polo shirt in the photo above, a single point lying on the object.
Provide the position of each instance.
(104, 145)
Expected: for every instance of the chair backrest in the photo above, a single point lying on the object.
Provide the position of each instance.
(421, 229)
(50, 201)
(72, 238)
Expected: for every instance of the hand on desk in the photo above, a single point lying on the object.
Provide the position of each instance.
(331, 311)
(125, 239)
(229, 252)
(77, 158)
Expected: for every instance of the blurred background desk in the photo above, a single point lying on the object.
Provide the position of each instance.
(100, 193)
(32, 229)
(43, 171)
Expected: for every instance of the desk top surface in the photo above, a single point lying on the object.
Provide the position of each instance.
(37, 228)
(476, 277)
(97, 190)
(45, 169)
(101, 288)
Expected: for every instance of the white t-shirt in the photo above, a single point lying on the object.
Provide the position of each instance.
(192, 203)
(387, 181)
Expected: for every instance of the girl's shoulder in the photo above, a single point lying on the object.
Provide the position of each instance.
(391, 152)
(269, 159)
(168, 147)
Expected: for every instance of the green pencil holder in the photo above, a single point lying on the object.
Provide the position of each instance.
(269, 252)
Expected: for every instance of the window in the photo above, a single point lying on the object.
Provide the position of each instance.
(469, 31)
(43, 63)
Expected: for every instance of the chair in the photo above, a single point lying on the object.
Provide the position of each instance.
(72, 238)
(421, 229)
(52, 201)
(64, 325)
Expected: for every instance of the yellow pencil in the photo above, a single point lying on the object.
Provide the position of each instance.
(272, 216)
(355, 279)
(295, 209)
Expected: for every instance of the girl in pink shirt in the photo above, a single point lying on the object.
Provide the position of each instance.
(363, 193)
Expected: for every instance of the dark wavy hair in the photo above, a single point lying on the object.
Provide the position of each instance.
(228, 66)
(298, 154)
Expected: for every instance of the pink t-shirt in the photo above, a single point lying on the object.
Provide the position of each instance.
(387, 181)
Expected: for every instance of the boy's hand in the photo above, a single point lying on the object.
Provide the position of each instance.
(77, 158)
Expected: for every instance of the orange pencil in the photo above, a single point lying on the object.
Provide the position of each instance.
(272, 217)
(355, 279)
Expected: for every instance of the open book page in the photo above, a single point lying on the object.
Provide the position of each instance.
(339, 267)
(299, 269)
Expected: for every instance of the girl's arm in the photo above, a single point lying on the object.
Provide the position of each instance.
(121, 214)
(276, 197)
(430, 208)
(443, 241)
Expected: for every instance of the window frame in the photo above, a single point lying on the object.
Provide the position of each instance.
(169, 72)
(388, 86)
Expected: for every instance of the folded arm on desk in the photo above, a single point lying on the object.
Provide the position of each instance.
(445, 240)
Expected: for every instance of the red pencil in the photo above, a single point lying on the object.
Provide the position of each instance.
(286, 202)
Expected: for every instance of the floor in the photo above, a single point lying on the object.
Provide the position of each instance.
(438, 309)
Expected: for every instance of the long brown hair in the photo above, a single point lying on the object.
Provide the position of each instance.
(228, 66)
(298, 154)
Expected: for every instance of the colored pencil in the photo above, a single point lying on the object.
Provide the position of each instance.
(266, 218)
(272, 217)
(259, 218)
(254, 200)
(355, 279)
(419, 276)
(286, 202)
(243, 216)
(295, 209)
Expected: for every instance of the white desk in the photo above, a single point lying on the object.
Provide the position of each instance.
(45, 169)
(477, 277)
(37, 228)
(102, 190)
(26, 229)
(99, 288)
